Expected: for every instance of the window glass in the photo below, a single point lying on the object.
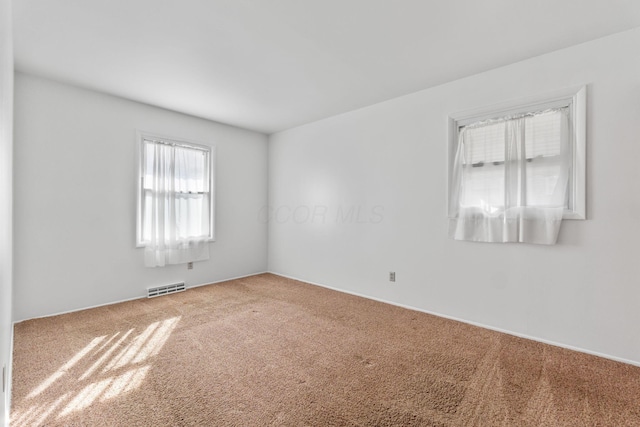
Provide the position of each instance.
(175, 194)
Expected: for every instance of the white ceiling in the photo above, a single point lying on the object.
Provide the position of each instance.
(270, 65)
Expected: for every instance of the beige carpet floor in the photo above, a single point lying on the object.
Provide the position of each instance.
(269, 351)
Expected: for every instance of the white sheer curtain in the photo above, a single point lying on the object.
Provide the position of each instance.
(176, 204)
(510, 179)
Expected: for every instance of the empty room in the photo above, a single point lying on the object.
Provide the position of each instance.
(320, 213)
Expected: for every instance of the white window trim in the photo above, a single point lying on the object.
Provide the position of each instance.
(575, 99)
(141, 136)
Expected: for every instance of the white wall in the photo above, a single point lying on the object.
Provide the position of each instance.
(389, 161)
(6, 172)
(75, 198)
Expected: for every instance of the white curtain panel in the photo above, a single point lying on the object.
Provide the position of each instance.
(510, 179)
(176, 204)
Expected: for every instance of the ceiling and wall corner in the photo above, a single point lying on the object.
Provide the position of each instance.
(274, 65)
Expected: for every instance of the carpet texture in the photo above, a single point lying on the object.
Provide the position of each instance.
(269, 351)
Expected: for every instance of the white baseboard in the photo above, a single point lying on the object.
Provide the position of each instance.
(226, 280)
(469, 322)
(134, 298)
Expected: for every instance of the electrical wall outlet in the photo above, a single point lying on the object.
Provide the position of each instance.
(189, 266)
(392, 276)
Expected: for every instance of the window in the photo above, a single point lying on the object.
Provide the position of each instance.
(175, 200)
(516, 170)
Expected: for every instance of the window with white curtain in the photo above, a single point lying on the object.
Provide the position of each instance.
(175, 200)
(517, 170)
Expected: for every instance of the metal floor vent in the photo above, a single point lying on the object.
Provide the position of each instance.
(165, 290)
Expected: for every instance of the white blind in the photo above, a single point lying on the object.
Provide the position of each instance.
(538, 160)
(485, 141)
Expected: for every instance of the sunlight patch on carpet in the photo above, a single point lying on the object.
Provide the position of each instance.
(109, 368)
(106, 389)
(67, 366)
(106, 355)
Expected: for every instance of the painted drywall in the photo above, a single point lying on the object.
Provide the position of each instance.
(6, 200)
(361, 194)
(75, 198)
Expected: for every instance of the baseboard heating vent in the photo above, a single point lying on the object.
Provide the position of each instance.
(165, 290)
